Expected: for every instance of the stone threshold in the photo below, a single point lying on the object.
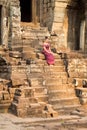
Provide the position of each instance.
(34, 120)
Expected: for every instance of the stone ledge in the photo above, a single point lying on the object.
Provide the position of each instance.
(80, 88)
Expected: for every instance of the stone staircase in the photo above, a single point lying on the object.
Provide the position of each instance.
(50, 84)
(30, 98)
(32, 40)
(61, 92)
(37, 89)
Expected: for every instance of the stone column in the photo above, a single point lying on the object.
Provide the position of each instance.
(41, 12)
(82, 35)
(34, 11)
(71, 29)
(4, 28)
(38, 10)
(86, 26)
(74, 21)
(14, 22)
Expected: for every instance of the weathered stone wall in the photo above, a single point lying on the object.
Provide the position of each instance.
(53, 16)
(4, 22)
(65, 17)
(14, 20)
(77, 68)
(10, 20)
(60, 21)
(47, 11)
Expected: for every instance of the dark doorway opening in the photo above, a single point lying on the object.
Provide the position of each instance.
(0, 24)
(26, 10)
(76, 14)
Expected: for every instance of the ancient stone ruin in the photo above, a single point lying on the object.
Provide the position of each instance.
(28, 86)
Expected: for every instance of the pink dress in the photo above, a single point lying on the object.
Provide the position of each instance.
(48, 56)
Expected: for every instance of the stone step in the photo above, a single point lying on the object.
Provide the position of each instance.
(57, 75)
(15, 54)
(33, 43)
(20, 70)
(5, 101)
(18, 81)
(56, 81)
(54, 68)
(29, 54)
(32, 27)
(21, 100)
(28, 39)
(64, 101)
(42, 98)
(57, 94)
(74, 54)
(58, 87)
(36, 69)
(4, 96)
(28, 36)
(15, 75)
(12, 90)
(1, 48)
(67, 109)
(79, 74)
(40, 90)
(33, 109)
(22, 63)
(19, 66)
(34, 82)
(17, 48)
(4, 108)
(28, 49)
(35, 75)
(2, 53)
(4, 69)
(41, 56)
(58, 62)
(34, 33)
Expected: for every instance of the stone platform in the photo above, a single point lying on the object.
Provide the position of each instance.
(11, 122)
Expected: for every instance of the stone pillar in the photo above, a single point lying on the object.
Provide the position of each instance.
(59, 21)
(38, 10)
(4, 29)
(82, 35)
(34, 19)
(86, 27)
(14, 22)
(41, 12)
(71, 28)
(74, 21)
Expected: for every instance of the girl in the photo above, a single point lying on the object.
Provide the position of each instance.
(48, 53)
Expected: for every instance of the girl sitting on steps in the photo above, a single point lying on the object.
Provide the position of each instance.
(47, 52)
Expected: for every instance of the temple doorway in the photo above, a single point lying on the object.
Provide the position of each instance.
(26, 10)
(76, 29)
(30, 11)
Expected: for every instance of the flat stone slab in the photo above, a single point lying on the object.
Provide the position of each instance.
(18, 120)
(11, 122)
(82, 89)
